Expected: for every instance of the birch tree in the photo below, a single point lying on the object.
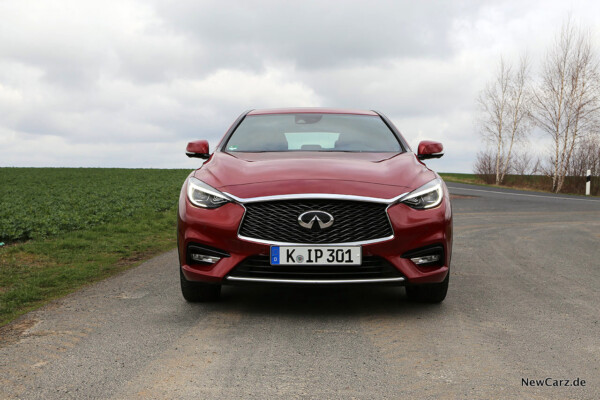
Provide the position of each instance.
(566, 102)
(505, 115)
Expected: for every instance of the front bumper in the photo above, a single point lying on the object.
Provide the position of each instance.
(218, 229)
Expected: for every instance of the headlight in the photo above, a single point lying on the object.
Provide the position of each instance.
(427, 196)
(205, 196)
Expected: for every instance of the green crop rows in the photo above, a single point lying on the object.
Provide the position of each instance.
(40, 202)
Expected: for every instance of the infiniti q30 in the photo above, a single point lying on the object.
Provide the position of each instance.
(314, 196)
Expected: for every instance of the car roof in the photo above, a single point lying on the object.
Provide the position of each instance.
(311, 110)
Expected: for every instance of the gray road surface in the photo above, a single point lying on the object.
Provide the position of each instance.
(523, 304)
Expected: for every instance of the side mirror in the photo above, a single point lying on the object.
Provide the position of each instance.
(430, 149)
(198, 149)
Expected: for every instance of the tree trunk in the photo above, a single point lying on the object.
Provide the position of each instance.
(498, 156)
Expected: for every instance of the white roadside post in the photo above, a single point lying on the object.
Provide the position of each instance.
(588, 182)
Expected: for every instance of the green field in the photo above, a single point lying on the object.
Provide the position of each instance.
(460, 178)
(63, 228)
(36, 203)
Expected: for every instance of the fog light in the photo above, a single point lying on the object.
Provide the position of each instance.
(198, 254)
(426, 259)
(202, 258)
(428, 256)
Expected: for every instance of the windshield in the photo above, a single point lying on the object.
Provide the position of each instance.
(313, 132)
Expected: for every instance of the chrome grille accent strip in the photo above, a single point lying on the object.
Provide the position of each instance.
(316, 196)
(315, 244)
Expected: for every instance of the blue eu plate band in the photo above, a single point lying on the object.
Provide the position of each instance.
(274, 255)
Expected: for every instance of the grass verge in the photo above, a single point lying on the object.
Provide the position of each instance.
(538, 183)
(36, 272)
(462, 178)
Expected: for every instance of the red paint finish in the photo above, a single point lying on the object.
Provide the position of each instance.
(197, 147)
(412, 229)
(388, 174)
(380, 175)
(427, 147)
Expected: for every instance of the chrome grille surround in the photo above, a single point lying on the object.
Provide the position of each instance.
(275, 222)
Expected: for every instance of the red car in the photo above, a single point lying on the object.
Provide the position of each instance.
(314, 196)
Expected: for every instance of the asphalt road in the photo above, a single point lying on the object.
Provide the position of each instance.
(523, 304)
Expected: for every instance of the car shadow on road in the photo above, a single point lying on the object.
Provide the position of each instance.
(320, 301)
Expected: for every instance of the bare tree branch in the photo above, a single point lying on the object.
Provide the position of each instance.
(505, 115)
(567, 100)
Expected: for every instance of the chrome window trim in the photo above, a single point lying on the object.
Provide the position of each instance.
(313, 281)
(316, 196)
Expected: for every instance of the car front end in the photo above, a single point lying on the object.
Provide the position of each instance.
(314, 218)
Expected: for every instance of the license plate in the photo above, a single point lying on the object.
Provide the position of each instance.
(316, 255)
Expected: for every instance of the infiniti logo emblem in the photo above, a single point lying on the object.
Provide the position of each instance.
(307, 219)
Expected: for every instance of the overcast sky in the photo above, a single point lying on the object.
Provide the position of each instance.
(129, 83)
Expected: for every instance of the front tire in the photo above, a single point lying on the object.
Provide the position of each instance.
(430, 293)
(195, 292)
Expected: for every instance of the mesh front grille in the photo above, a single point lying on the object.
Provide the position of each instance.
(354, 221)
(259, 267)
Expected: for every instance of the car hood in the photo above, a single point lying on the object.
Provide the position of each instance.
(382, 175)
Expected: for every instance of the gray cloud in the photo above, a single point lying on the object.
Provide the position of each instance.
(316, 34)
(128, 83)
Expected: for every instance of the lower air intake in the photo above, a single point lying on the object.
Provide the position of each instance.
(259, 267)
